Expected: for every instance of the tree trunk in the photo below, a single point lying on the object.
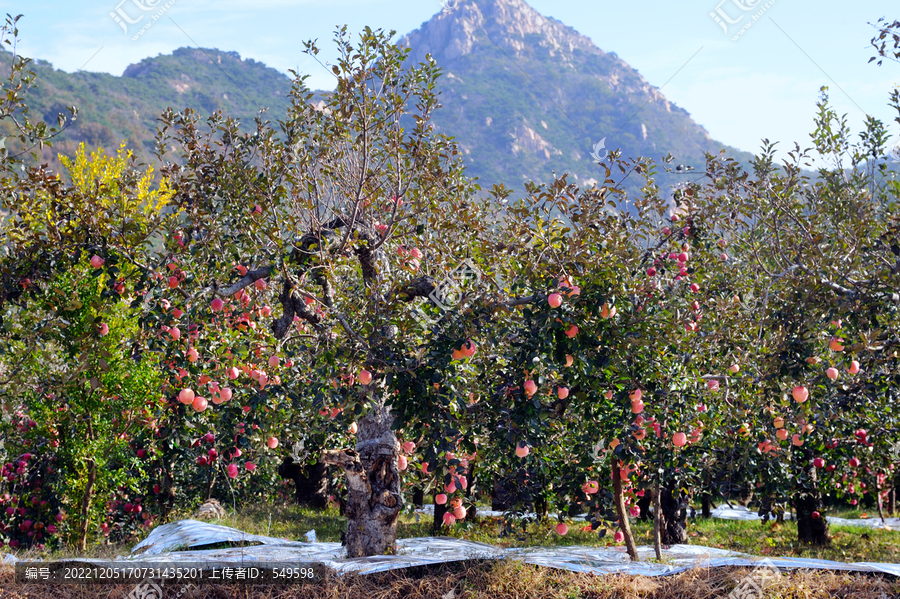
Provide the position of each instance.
(892, 498)
(437, 525)
(657, 522)
(373, 481)
(624, 525)
(807, 502)
(705, 503)
(673, 526)
(86, 505)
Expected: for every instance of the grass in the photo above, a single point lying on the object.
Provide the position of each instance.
(509, 578)
(506, 579)
(849, 544)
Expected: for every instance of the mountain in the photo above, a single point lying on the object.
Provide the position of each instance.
(112, 109)
(523, 94)
(526, 95)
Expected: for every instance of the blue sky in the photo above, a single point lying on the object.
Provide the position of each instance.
(762, 85)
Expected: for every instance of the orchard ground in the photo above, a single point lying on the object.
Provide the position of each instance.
(512, 579)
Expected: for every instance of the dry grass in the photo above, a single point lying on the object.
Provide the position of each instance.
(502, 580)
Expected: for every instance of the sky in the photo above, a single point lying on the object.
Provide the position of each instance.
(742, 83)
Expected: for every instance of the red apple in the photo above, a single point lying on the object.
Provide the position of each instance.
(530, 387)
(800, 394)
(365, 377)
(217, 304)
(186, 396)
(562, 528)
(353, 428)
(854, 367)
(572, 331)
(854, 462)
(522, 451)
(679, 439)
(199, 404)
(831, 373)
(260, 284)
(97, 261)
(272, 442)
(440, 499)
(562, 392)
(555, 300)
(819, 463)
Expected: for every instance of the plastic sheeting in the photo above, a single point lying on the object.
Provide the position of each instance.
(739, 512)
(182, 542)
(163, 544)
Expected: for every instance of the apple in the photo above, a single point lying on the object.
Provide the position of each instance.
(562, 528)
(813, 360)
(225, 394)
(522, 451)
(796, 440)
(260, 284)
(555, 300)
(608, 394)
(683, 257)
(186, 396)
(450, 487)
(402, 463)
(854, 462)
(237, 452)
(272, 442)
(213, 454)
(800, 394)
(199, 404)
(854, 367)
(779, 422)
(651, 272)
(232, 470)
(712, 384)
(365, 377)
(530, 387)
(97, 261)
(353, 428)
(679, 439)
(193, 355)
(830, 468)
(619, 536)
(409, 447)
(637, 406)
(722, 243)
(782, 434)
(217, 304)
(250, 466)
(819, 463)
(233, 372)
(562, 392)
(835, 344)
(734, 368)
(440, 499)
(572, 331)
(274, 361)
(666, 230)
(636, 395)
(173, 282)
(816, 515)
(831, 373)
(607, 311)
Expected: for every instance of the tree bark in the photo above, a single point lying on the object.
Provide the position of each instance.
(807, 501)
(437, 525)
(86, 505)
(673, 526)
(624, 525)
(373, 480)
(657, 523)
(705, 502)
